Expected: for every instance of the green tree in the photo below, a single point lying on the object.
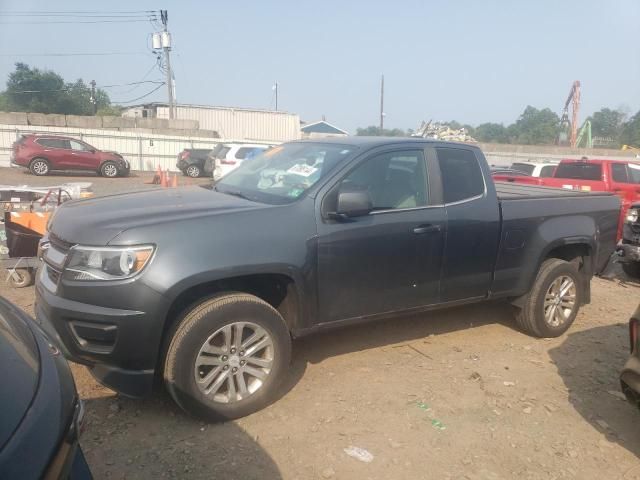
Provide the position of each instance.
(373, 131)
(43, 91)
(631, 131)
(491, 132)
(535, 127)
(607, 123)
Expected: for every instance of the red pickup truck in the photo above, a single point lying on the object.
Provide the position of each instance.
(599, 175)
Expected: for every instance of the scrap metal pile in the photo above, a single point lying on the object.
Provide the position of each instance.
(442, 131)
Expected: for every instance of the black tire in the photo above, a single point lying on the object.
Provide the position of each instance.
(531, 317)
(40, 167)
(632, 270)
(193, 171)
(20, 278)
(196, 329)
(109, 169)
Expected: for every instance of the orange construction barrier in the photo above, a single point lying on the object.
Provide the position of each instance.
(174, 181)
(163, 179)
(36, 221)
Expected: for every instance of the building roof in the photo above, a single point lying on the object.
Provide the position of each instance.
(323, 127)
(210, 107)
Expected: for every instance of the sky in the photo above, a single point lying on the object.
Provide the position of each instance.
(473, 61)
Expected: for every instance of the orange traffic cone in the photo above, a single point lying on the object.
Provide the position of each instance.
(174, 181)
(163, 179)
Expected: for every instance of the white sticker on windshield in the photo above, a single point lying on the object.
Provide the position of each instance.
(302, 170)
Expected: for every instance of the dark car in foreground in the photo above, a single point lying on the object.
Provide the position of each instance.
(191, 161)
(42, 154)
(205, 287)
(40, 413)
(629, 247)
(630, 377)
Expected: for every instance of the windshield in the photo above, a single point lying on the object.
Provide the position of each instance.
(523, 167)
(282, 174)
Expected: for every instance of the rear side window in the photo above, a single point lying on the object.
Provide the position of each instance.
(547, 171)
(619, 173)
(461, 175)
(53, 142)
(242, 152)
(580, 171)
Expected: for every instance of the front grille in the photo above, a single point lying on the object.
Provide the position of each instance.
(60, 244)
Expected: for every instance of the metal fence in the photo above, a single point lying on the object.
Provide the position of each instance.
(144, 151)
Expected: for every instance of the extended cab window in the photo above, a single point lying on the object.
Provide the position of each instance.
(242, 152)
(623, 173)
(524, 167)
(394, 180)
(580, 171)
(461, 175)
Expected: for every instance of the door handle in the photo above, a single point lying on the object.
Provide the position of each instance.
(427, 229)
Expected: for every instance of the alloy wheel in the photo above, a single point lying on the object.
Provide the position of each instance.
(559, 301)
(234, 362)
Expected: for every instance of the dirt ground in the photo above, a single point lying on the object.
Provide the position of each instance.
(457, 394)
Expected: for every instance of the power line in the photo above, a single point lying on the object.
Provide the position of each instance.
(74, 54)
(142, 96)
(29, 15)
(132, 83)
(67, 12)
(75, 23)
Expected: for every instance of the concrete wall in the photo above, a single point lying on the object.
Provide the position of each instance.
(505, 154)
(166, 126)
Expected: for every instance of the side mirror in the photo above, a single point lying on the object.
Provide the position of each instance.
(353, 202)
(93, 150)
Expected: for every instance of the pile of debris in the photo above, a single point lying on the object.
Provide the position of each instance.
(442, 131)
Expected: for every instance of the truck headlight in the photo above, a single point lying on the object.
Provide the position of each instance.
(106, 263)
(632, 215)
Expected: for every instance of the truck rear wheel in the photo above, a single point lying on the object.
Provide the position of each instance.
(632, 270)
(227, 357)
(553, 302)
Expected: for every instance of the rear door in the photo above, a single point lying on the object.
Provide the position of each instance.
(82, 156)
(56, 150)
(473, 224)
(390, 259)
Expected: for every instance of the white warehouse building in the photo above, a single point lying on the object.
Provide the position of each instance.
(229, 122)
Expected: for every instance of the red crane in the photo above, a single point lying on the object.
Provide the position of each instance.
(574, 100)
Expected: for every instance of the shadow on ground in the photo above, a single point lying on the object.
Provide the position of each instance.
(317, 347)
(153, 438)
(589, 363)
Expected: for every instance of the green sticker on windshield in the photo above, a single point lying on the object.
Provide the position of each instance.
(295, 192)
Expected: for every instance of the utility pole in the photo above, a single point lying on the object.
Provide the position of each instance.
(166, 45)
(382, 105)
(275, 87)
(93, 98)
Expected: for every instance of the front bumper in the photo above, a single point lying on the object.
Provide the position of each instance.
(628, 253)
(630, 380)
(120, 347)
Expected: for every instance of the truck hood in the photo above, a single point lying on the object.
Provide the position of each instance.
(96, 221)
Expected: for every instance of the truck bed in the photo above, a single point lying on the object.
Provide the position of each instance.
(515, 191)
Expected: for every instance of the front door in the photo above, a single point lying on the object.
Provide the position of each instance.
(389, 259)
(82, 156)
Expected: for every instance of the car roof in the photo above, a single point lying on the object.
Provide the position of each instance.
(597, 160)
(44, 135)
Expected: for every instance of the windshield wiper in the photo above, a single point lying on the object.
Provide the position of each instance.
(235, 193)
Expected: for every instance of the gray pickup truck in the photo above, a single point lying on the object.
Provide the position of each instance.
(205, 288)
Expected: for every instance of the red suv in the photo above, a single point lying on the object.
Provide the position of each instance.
(44, 153)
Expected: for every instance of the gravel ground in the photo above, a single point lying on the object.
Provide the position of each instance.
(458, 394)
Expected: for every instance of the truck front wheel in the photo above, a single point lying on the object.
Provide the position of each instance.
(632, 270)
(553, 302)
(227, 357)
